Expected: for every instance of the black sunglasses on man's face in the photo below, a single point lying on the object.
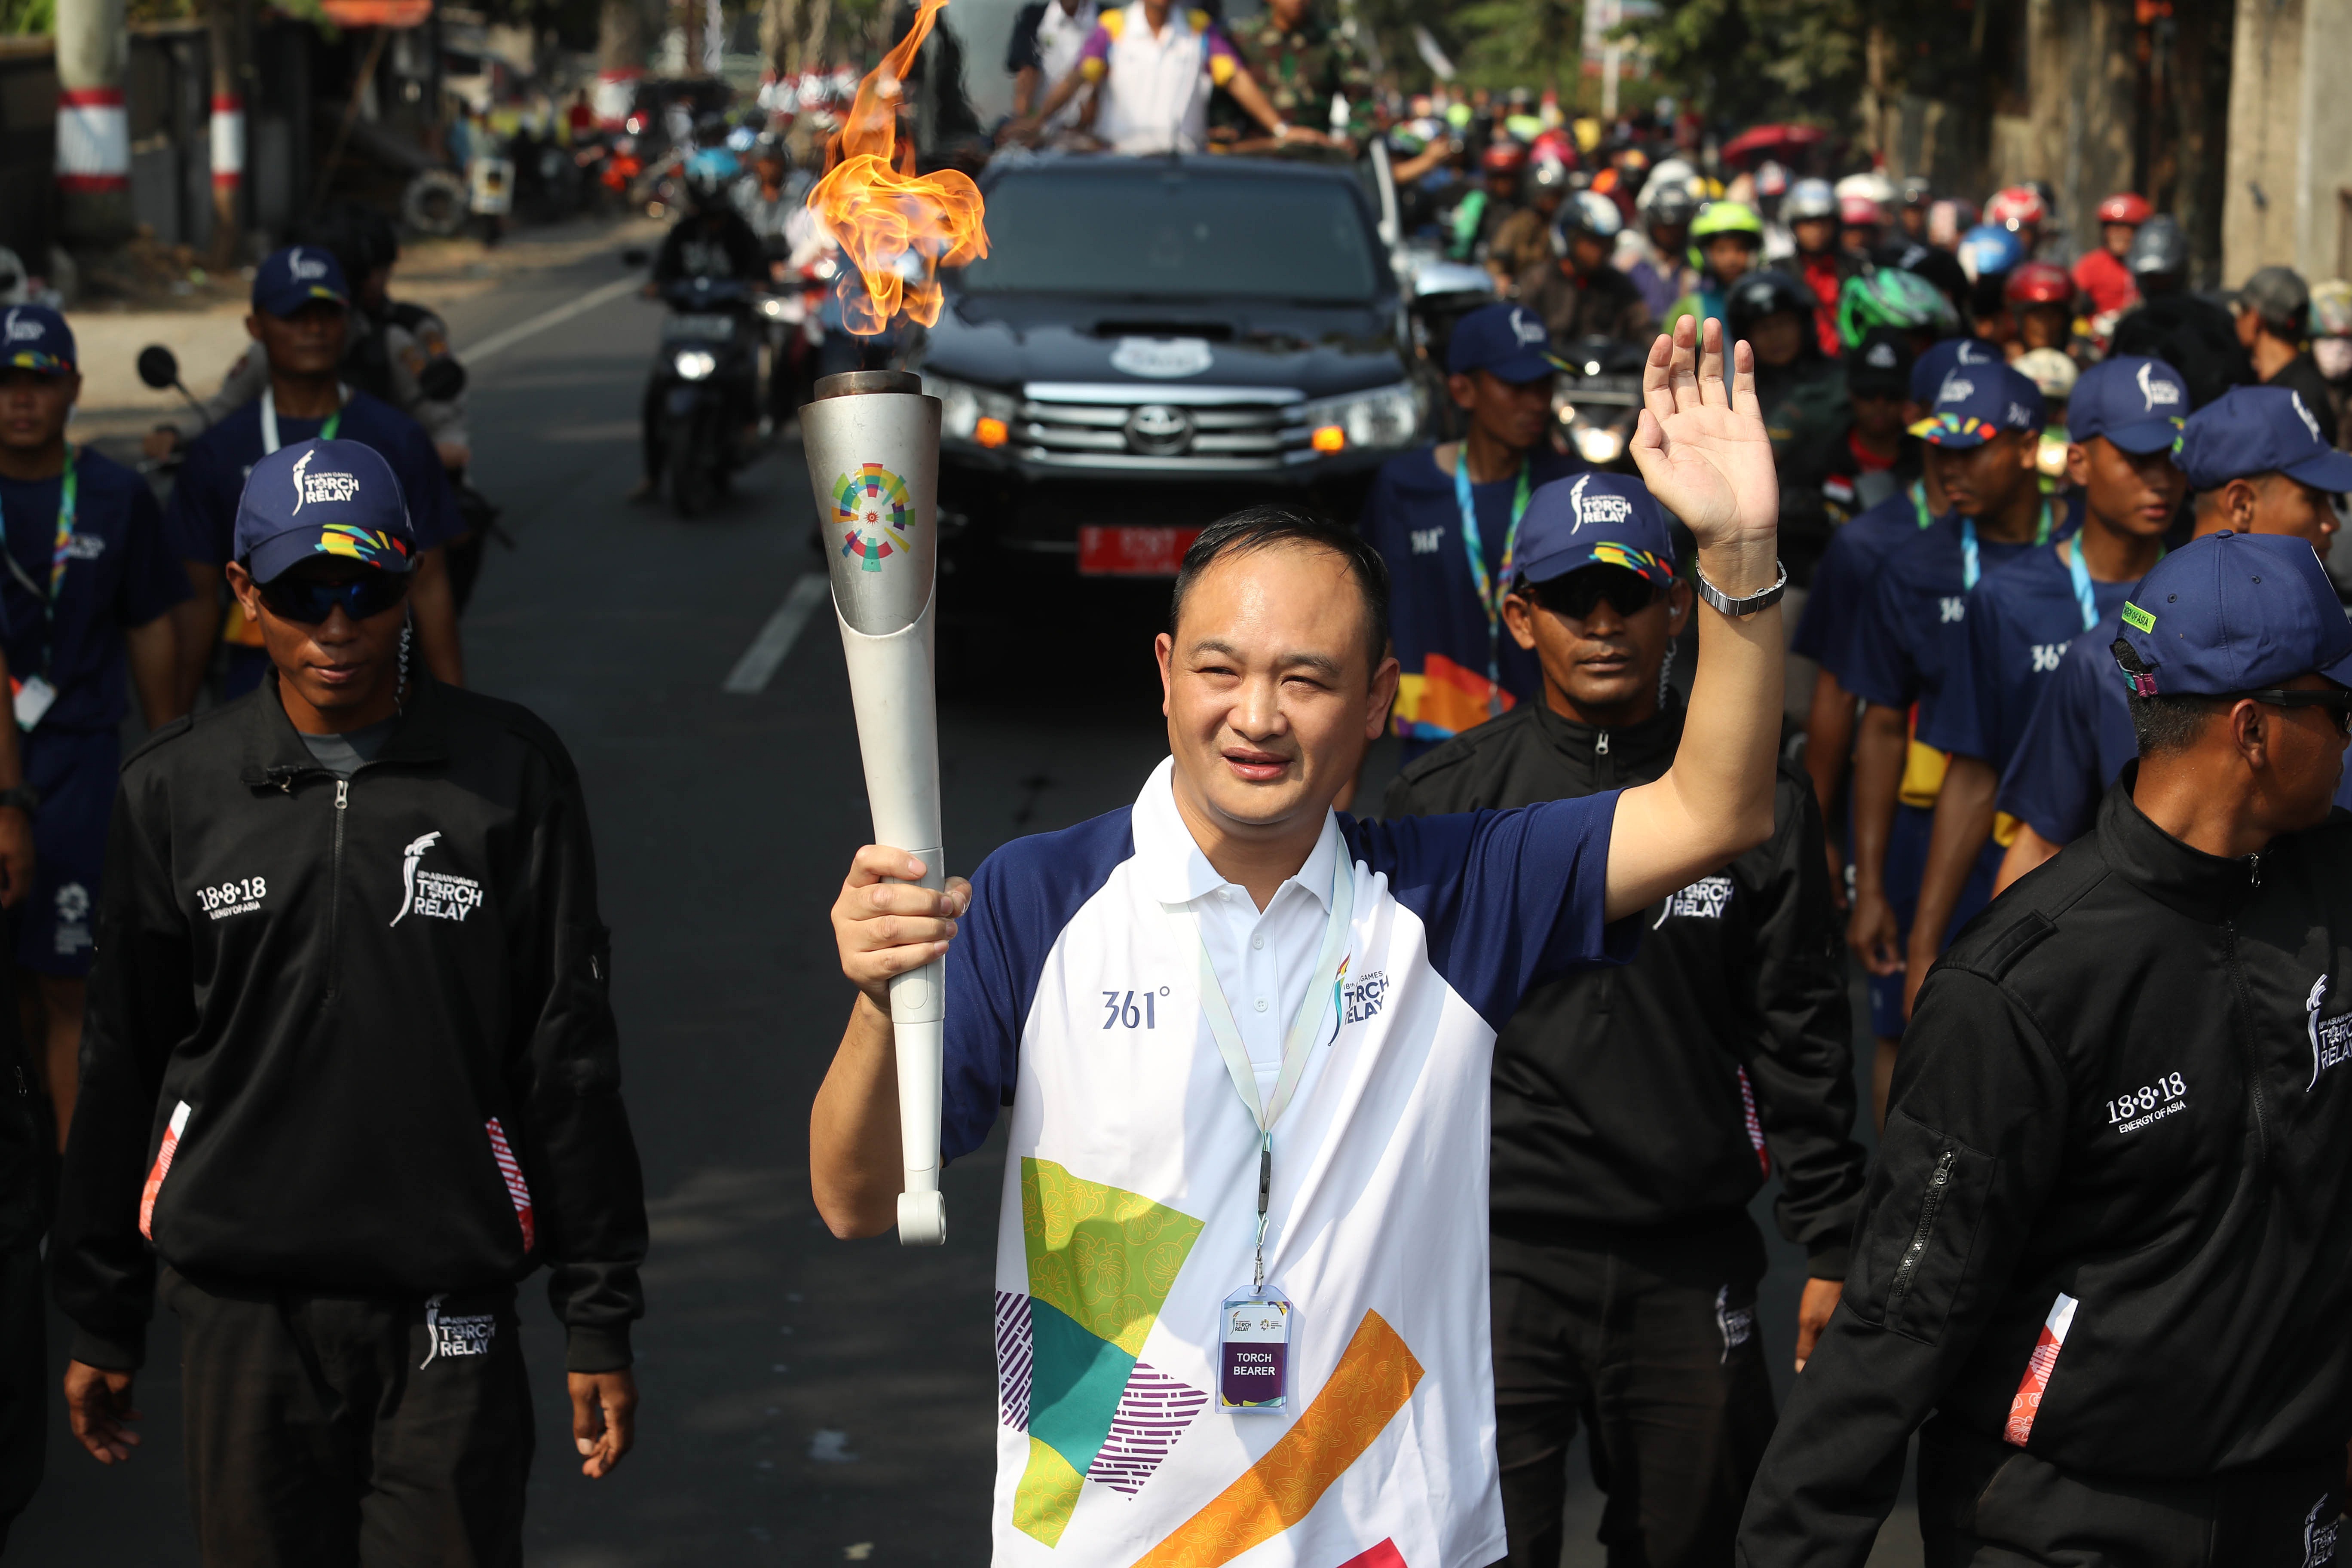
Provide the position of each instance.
(1580, 593)
(2338, 702)
(308, 601)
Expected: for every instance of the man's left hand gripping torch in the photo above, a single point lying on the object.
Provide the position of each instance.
(872, 440)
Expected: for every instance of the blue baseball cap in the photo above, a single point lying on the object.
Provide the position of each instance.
(2236, 612)
(1594, 520)
(1929, 371)
(2260, 430)
(34, 337)
(290, 278)
(1508, 342)
(323, 498)
(2139, 404)
(1975, 403)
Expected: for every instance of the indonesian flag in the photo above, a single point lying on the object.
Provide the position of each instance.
(162, 1168)
(2028, 1403)
(517, 1188)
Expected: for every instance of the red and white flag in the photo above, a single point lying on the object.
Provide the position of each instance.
(2029, 1388)
(162, 1168)
(517, 1188)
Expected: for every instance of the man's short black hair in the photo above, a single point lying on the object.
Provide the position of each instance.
(2162, 725)
(1255, 528)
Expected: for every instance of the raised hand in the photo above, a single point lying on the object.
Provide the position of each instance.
(1703, 451)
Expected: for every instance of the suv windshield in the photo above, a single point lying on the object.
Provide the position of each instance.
(1127, 232)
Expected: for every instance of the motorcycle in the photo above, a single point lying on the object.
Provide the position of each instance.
(705, 388)
(796, 331)
(1597, 400)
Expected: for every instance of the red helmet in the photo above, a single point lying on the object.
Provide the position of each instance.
(2125, 206)
(2039, 283)
(2016, 207)
(1860, 212)
(1504, 157)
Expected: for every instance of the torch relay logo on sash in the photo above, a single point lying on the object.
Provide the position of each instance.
(1597, 509)
(874, 512)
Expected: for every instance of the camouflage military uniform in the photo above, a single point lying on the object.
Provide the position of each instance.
(1300, 71)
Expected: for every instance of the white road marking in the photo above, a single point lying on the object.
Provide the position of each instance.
(758, 665)
(498, 342)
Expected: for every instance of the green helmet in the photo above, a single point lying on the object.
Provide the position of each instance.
(1893, 297)
(1725, 217)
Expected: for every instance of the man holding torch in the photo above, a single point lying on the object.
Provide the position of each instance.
(1274, 1283)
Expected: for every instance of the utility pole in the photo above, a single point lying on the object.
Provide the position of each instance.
(93, 168)
(225, 38)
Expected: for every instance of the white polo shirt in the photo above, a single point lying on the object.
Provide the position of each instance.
(1130, 1205)
(1153, 88)
(1060, 35)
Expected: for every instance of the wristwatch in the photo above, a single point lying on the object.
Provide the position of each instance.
(24, 797)
(1738, 607)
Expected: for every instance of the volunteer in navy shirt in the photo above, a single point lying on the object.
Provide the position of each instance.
(299, 318)
(1982, 434)
(1841, 593)
(88, 584)
(2121, 424)
(2256, 465)
(1427, 508)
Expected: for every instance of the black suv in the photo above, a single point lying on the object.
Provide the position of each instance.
(1154, 341)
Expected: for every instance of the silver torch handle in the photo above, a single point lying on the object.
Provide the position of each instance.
(872, 440)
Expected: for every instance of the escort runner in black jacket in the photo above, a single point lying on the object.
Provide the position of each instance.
(1636, 1115)
(352, 1073)
(359, 988)
(2107, 1239)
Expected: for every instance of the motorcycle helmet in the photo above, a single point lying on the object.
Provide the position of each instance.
(1772, 179)
(1503, 156)
(1918, 192)
(2125, 206)
(2016, 207)
(2331, 308)
(2051, 372)
(1860, 212)
(1940, 268)
(2158, 249)
(1589, 212)
(15, 286)
(2039, 283)
(1767, 293)
(1672, 174)
(1671, 207)
(1989, 250)
(1547, 175)
(1809, 199)
(1871, 187)
(1891, 296)
(1727, 217)
(707, 175)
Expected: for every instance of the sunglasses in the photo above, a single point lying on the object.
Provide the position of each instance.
(308, 601)
(2337, 703)
(1578, 594)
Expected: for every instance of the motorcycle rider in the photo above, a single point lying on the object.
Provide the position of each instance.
(1802, 394)
(1480, 217)
(2041, 296)
(1727, 238)
(1580, 294)
(2100, 273)
(2184, 329)
(1667, 274)
(1812, 214)
(1524, 239)
(710, 241)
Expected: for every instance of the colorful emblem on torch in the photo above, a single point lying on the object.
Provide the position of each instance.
(873, 513)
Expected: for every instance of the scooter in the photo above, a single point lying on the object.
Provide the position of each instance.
(705, 390)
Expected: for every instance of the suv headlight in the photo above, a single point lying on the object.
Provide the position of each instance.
(967, 413)
(1384, 417)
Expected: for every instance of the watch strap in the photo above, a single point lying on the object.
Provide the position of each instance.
(1750, 605)
(24, 797)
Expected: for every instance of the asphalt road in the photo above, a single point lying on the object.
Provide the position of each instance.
(805, 1401)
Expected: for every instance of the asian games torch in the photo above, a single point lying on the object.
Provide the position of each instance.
(873, 445)
(872, 440)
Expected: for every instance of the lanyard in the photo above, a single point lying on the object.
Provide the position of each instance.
(1972, 568)
(60, 552)
(1919, 503)
(1296, 1046)
(269, 417)
(1490, 595)
(2080, 576)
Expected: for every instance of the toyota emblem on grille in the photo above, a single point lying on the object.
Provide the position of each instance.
(1159, 430)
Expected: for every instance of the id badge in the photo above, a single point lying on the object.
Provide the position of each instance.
(34, 696)
(1254, 1354)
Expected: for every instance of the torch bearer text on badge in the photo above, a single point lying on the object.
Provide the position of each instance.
(873, 445)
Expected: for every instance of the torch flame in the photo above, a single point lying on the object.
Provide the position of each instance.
(899, 227)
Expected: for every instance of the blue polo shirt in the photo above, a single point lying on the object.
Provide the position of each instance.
(1915, 628)
(2074, 746)
(1843, 581)
(200, 521)
(2021, 622)
(1413, 518)
(118, 574)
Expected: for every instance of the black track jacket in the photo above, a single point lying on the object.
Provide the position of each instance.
(1655, 1096)
(2126, 1085)
(383, 1003)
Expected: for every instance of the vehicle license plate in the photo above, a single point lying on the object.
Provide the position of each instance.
(1133, 552)
(709, 329)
